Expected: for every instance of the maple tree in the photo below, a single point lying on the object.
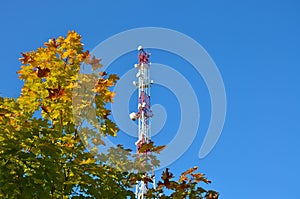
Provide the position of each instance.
(186, 187)
(43, 140)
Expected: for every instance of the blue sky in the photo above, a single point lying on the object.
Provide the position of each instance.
(255, 45)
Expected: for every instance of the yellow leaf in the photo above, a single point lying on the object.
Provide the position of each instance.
(88, 161)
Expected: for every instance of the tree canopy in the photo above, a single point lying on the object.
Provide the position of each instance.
(42, 153)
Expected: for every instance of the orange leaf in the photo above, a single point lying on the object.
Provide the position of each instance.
(189, 171)
(26, 59)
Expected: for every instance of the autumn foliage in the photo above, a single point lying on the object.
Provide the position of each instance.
(42, 153)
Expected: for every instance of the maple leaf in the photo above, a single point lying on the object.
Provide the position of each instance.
(95, 62)
(55, 93)
(205, 180)
(158, 149)
(85, 55)
(150, 147)
(147, 179)
(51, 43)
(27, 58)
(183, 178)
(42, 72)
(190, 170)
(166, 177)
(113, 77)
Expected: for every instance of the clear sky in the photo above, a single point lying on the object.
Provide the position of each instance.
(255, 45)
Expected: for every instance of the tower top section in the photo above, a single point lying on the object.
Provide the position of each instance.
(143, 56)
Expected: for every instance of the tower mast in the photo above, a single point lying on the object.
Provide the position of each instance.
(144, 114)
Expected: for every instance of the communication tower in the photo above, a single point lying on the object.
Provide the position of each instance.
(143, 115)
